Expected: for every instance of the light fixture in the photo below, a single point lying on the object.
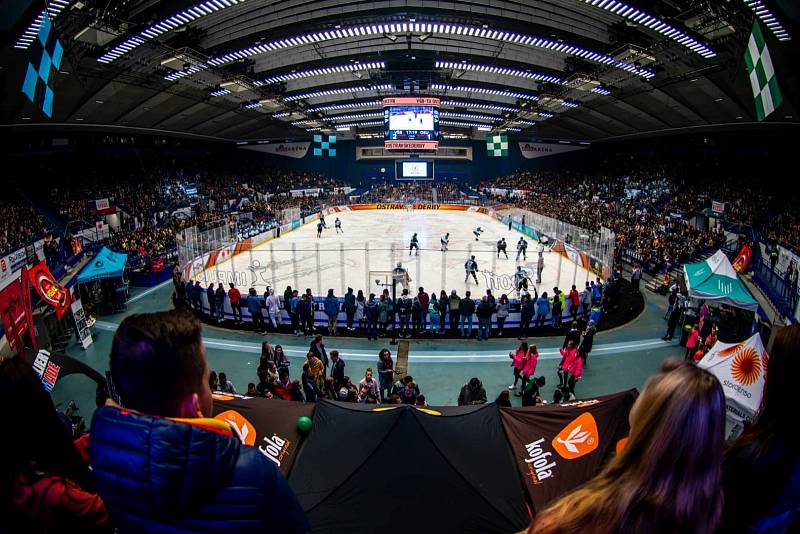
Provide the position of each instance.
(763, 13)
(505, 71)
(339, 91)
(322, 71)
(653, 23)
(390, 36)
(422, 38)
(52, 10)
(483, 91)
(156, 30)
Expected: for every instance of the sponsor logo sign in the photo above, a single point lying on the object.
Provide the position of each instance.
(49, 289)
(47, 370)
(531, 150)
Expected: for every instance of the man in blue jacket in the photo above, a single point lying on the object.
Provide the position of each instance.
(161, 465)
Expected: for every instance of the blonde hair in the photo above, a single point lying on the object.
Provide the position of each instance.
(667, 477)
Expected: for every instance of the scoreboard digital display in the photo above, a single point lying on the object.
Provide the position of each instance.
(411, 124)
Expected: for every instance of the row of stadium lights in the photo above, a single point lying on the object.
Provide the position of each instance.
(765, 16)
(379, 103)
(640, 17)
(53, 9)
(160, 28)
(339, 91)
(322, 71)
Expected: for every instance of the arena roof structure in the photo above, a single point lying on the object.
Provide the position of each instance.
(251, 69)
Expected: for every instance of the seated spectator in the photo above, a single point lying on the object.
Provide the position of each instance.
(761, 471)
(667, 477)
(160, 465)
(225, 386)
(472, 393)
(46, 482)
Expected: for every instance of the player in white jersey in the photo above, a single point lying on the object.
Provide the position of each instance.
(445, 241)
(477, 232)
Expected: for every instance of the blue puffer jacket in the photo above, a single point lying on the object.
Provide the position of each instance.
(158, 475)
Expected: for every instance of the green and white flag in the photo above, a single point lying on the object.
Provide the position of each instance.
(496, 146)
(762, 74)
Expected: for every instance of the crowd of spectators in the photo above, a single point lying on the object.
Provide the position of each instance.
(155, 432)
(19, 225)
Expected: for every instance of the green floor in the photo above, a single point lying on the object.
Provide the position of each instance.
(621, 359)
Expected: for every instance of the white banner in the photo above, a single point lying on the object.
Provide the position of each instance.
(101, 204)
(290, 150)
(532, 150)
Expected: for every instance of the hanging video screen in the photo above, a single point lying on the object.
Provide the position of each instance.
(411, 124)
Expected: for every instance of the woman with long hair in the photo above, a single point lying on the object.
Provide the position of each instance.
(761, 471)
(518, 363)
(281, 361)
(45, 483)
(443, 303)
(361, 303)
(666, 479)
(386, 372)
(503, 307)
(531, 360)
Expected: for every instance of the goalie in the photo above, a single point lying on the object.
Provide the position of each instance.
(401, 276)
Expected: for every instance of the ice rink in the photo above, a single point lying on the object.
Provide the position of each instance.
(371, 244)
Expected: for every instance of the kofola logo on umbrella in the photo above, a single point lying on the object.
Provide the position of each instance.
(578, 438)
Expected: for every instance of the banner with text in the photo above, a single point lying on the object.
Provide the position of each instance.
(532, 150)
(49, 289)
(290, 150)
(557, 448)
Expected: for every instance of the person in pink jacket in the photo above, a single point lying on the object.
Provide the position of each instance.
(568, 354)
(692, 342)
(574, 372)
(531, 359)
(518, 363)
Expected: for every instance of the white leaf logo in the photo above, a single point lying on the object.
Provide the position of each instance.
(243, 432)
(576, 436)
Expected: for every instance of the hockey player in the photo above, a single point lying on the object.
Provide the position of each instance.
(322, 220)
(471, 267)
(320, 226)
(445, 240)
(338, 224)
(400, 276)
(501, 247)
(522, 247)
(414, 245)
(477, 232)
(521, 280)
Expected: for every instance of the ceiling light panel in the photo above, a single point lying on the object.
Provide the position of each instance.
(322, 71)
(53, 9)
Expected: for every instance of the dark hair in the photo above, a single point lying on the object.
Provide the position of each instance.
(157, 360)
(41, 441)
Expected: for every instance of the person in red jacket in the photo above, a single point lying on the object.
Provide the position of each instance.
(568, 354)
(518, 363)
(692, 342)
(531, 359)
(235, 297)
(45, 483)
(575, 299)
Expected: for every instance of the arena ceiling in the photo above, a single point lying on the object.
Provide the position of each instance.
(250, 69)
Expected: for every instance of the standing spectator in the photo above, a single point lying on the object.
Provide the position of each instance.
(316, 369)
(254, 307)
(311, 391)
(211, 296)
(273, 303)
(692, 343)
(585, 346)
(472, 393)
(503, 307)
(518, 363)
(294, 313)
(575, 303)
(444, 306)
(372, 314)
(539, 268)
(574, 372)
(349, 307)
(287, 300)
(361, 304)
(236, 306)
(386, 372)
(434, 309)
(527, 313)
(466, 309)
(424, 304)
(568, 354)
(163, 441)
(337, 369)
(306, 313)
(196, 292)
(318, 348)
(672, 323)
(454, 307)
(484, 312)
(636, 278)
(657, 483)
(542, 309)
(404, 308)
(331, 311)
(219, 297)
(225, 386)
(766, 456)
(46, 485)
(586, 301)
(558, 307)
(531, 360)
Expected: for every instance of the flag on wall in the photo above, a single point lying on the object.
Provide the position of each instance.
(762, 74)
(496, 146)
(45, 60)
(321, 147)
